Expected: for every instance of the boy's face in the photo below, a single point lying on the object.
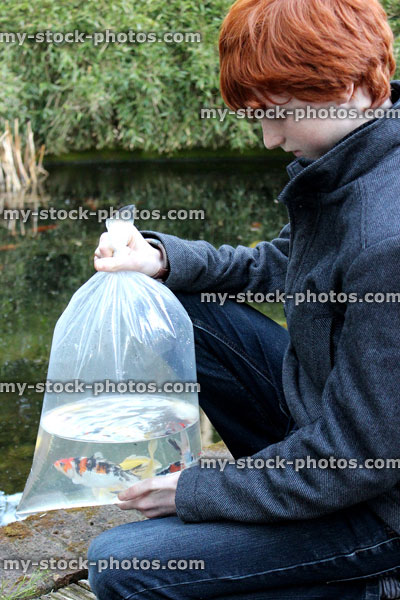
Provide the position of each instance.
(306, 137)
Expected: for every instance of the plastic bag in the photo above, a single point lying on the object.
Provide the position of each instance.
(121, 403)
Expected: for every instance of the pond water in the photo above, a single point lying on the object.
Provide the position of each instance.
(42, 263)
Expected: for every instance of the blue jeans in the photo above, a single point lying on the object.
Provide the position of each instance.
(239, 356)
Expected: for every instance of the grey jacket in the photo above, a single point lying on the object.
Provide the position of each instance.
(341, 372)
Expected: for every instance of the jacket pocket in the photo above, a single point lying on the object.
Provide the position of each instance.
(321, 348)
(311, 333)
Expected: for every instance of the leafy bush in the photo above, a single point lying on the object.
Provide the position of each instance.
(142, 97)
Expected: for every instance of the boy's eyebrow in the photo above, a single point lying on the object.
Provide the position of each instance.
(267, 104)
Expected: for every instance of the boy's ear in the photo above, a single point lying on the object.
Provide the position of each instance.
(348, 93)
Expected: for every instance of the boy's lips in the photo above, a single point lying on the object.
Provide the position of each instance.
(295, 152)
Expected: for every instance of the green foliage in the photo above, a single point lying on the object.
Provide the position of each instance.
(392, 8)
(25, 588)
(142, 97)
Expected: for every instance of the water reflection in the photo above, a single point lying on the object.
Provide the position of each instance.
(21, 207)
(43, 261)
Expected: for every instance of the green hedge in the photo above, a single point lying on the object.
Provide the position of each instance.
(142, 97)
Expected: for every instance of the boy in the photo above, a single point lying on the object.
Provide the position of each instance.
(323, 396)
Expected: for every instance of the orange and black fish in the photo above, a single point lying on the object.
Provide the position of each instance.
(95, 472)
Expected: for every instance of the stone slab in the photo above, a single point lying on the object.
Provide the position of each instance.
(59, 541)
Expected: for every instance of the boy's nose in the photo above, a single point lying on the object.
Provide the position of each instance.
(272, 136)
(273, 140)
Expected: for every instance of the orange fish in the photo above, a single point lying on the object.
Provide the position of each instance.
(42, 228)
(172, 468)
(95, 472)
(9, 247)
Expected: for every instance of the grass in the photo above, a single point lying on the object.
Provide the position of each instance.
(25, 588)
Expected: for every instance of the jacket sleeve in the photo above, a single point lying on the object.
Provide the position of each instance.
(198, 266)
(358, 419)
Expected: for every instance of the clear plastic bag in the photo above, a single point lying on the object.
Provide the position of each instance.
(123, 401)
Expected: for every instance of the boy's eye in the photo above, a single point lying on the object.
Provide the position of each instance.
(270, 114)
(275, 114)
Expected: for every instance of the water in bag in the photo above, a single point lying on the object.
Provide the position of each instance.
(109, 417)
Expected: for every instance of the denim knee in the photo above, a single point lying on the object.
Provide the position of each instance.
(95, 552)
(190, 302)
(102, 579)
(110, 556)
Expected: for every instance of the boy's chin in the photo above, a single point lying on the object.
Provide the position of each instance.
(312, 155)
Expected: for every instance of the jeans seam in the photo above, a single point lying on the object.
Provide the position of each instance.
(239, 384)
(241, 354)
(377, 574)
(246, 392)
(372, 590)
(241, 577)
(280, 396)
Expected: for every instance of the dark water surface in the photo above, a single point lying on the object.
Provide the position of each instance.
(40, 270)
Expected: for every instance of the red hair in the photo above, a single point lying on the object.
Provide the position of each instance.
(310, 49)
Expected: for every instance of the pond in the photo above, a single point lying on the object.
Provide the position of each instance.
(42, 263)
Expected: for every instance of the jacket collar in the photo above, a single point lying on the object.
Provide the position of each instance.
(353, 155)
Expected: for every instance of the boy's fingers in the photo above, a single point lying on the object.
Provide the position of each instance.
(104, 252)
(133, 237)
(136, 504)
(136, 490)
(104, 249)
(107, 264)
(127, 506)
(104, 239)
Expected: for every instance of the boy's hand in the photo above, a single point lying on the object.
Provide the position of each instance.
(141, 257)
(154, 497)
